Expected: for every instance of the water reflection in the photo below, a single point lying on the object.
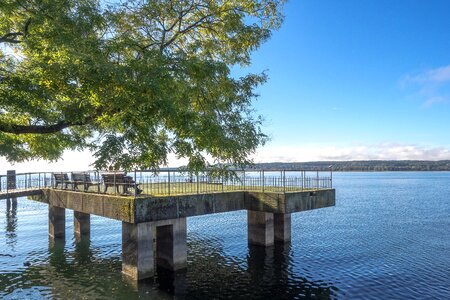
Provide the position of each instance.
(174, 283)
(262, 273)
(11, 222)
(266, 273)
(83, 253)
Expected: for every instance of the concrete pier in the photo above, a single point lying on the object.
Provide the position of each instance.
(138, 256)
(282, 227)
(56, 222)
(81, 225)
(154, 228)
(171, 244)
(137, 250)
(260, 228)
(265, 228)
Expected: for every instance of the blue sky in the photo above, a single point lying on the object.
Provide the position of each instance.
(351, 80)
(357, 80)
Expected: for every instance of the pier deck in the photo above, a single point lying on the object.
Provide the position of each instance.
(155, 208)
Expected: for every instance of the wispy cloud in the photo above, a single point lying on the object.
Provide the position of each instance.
(431, 86)
(383, 151)
(438, 75)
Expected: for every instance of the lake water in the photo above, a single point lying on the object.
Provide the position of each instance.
(388, 237)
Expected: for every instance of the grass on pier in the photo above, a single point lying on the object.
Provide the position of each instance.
(186, 188)
(190, 188)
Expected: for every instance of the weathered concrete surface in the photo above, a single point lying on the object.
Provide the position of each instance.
(172, 207)
(260, 228)
(289, 202)
(56, 222)
(17, 194)
(81, 225)
(171, 244)
(282, 227)
(150, 209)
(138, 257)
(137, 250)
(110, 206)
(295, 202)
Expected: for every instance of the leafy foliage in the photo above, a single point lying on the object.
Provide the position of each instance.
(133, 80)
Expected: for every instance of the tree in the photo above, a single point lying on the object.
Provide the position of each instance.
(132, 80)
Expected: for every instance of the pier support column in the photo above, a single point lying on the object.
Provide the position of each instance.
(260, 228)
(81, 225)
(282, 227)
(56, 222)
(137, 250)
(171, 245)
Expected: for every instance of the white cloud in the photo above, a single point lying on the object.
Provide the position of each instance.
(80, 161)
(438, 75)
(383, 151)
(434, 100)
(431, 86)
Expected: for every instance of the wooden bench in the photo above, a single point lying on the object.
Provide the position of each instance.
(63, 179)
(120, 179)
(84, 179)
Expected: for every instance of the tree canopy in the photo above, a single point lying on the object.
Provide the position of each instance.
(131, 80)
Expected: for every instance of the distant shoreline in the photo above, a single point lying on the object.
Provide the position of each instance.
(360, 165)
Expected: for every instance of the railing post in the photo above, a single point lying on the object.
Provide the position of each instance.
(115, 186)
(135, 184)
(283, 176)
(197, 184)
(317, 182)
(222, 182)
(168, 180)
(331, 176)
(303, 179)
(263, 181)
(244, 177)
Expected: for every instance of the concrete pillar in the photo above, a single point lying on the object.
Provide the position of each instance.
(260, 228)
(282, 227)
(81, 225)
(56, 222)
(137, 250)
(171, 245)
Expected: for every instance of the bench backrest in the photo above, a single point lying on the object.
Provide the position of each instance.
(81, 177)
(61, 177)
(113, 178)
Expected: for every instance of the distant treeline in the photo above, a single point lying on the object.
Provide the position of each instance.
(360, 165)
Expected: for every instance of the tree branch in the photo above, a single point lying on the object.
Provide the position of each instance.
(11, 38)
(39, 129)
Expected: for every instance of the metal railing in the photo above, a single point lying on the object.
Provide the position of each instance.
(13, 182)
(171, 182)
